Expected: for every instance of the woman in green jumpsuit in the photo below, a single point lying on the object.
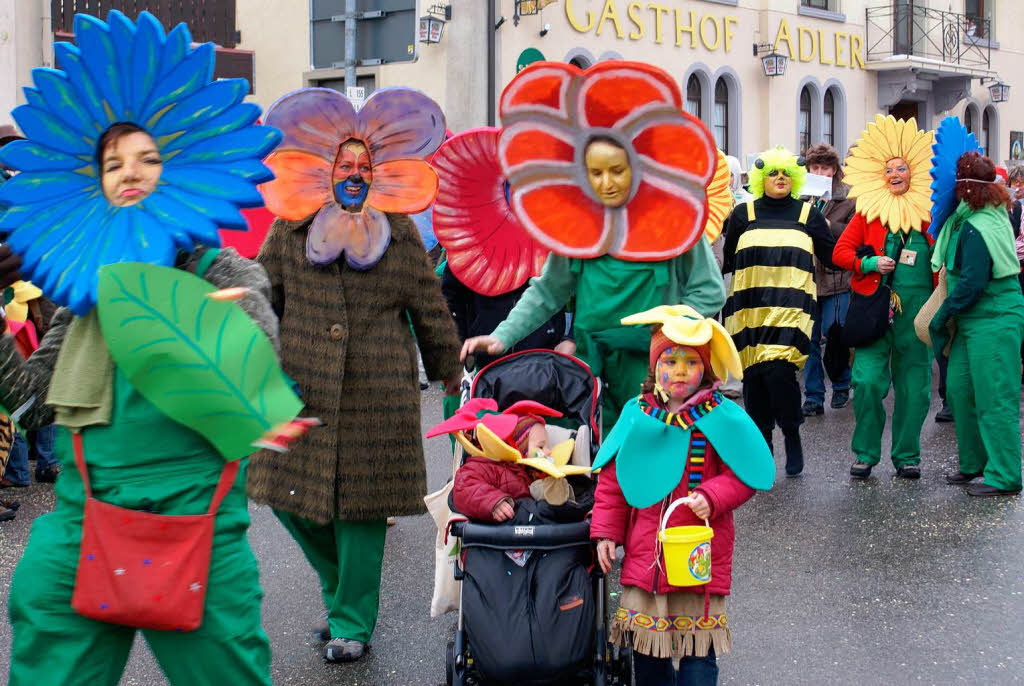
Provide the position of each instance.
(985, 303)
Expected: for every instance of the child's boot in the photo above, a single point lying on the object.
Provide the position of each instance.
(794, 454)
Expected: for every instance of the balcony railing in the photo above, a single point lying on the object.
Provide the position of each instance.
(208, 20)
(910, 30)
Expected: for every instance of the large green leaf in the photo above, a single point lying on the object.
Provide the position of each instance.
(202, 362)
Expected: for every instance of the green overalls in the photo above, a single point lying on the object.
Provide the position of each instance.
(142, 461)
(983, 377)
(899, 358)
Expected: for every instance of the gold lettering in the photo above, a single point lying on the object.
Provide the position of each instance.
(841, 37)
(576, 24)
(658, 9)
(682, 28)
(856, 56)
(821, 47)
(783, 35)
(633, 10)
(609, 13)
(802, 31)
(703, 34)
(730, 22)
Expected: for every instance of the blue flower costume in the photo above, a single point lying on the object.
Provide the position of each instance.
(138, 458)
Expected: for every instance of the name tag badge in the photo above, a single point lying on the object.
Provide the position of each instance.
(908, 257)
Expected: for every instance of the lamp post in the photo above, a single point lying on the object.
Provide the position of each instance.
(432, 23)
(525, 8)
(773, 63)
(999, 91)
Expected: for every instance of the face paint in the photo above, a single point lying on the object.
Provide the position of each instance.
(353, 175)
(897, 176)
(679, 372)
(609, 172)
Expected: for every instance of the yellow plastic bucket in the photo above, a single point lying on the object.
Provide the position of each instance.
(687, 550)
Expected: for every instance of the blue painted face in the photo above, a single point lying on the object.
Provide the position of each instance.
(351, 193)
(352, 176)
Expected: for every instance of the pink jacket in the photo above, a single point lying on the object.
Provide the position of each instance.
(637, 530)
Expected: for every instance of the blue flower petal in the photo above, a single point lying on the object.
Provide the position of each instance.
(221, 212)
(229, 147)
(200, 107)
(240, 116)
(251, 170)
(175, 48)
(151, 244)
(212, 184)
(145, 66)
(93, 38)
(62, 100)
(39, 124)
(184, 221)
(29, 222)
(194, 72)
(34, 97)
(122, 37)
(30, 156)
(69, 57)
(951, 141)
(31, 187)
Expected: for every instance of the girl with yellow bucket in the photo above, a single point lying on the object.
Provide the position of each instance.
(681, 456)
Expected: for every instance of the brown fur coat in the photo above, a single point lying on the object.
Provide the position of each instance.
(345, 340)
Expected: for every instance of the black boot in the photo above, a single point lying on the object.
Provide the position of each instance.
(794, 454)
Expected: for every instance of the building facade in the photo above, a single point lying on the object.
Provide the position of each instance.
(846, 59)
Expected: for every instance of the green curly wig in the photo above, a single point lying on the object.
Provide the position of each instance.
(776, 158)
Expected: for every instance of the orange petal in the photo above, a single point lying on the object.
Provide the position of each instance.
(524, 144)
(402, 186)
(662, 223)
(301, 185)
(544, 85)
(612, 93)
(685, 147)
(561, 217)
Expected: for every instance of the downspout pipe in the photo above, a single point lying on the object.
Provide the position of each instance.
(490, 62)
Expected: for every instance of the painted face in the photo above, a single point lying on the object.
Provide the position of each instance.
(353, 175)
(679, 371)
(822, 170)
(778, 184)
(609, 172)
(130, 169)
(537, 442)
(897, 175)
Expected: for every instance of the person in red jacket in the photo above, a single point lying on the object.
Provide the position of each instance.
(712, 457)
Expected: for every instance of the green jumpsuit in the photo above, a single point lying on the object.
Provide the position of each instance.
(608, 289)
(983, 380)
(898, 358)
(142, 461)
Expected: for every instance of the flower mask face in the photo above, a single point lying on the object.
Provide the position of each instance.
(609, 172)
(897, 176)
(131, 167)
(679, 372)
(353, 175)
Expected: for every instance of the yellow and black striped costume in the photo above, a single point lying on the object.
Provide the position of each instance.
(773, 299)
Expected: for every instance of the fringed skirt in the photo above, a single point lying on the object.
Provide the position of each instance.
(671, 625)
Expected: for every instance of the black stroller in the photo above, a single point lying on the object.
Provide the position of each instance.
(533, 601)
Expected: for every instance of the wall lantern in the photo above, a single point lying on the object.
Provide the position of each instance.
(999, 91)
(525, 8)
(432, 23)
(772, 63)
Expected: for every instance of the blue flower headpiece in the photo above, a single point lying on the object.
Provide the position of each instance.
(58, 218)
(951, 141)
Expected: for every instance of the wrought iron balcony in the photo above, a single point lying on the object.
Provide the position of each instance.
(900, 31)
(208, 20)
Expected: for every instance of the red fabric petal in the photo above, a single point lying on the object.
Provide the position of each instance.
(248, 243)
(685, 147)
(524, 145)
(662, 223)
(527, 407)
(562, 218)
(541, 86)
(615, 90)
(488, 249)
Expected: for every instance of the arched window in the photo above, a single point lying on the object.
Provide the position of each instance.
(720, 126)
(693, 96)
(969, 119)
(828, 123)
(986, 131)
(805, 119)
(580, 61)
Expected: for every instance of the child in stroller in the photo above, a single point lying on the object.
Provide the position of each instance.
(532, 603)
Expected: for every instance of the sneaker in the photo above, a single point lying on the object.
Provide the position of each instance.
(860, 470)
(944, 416)
(322, 630)
(344, 650)
(7, 483)
(47, 475)
(909, 471)
(6, 514)
(812, 408)
(958, 478)
(840, 399)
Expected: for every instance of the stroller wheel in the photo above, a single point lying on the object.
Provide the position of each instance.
(621, 666)
(449, 663)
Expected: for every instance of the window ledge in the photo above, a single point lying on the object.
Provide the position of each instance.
(732, 3)
(981, 42)
(820, 14)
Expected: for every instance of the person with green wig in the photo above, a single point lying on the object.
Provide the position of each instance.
(985, 303)
(770, 246)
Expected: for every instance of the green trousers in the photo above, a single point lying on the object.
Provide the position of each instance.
(983, 392)
(347, 556)
(901, 360)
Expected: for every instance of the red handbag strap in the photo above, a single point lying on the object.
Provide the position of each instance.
(224, 484)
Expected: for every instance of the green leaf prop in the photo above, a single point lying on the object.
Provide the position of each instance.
(202, 362)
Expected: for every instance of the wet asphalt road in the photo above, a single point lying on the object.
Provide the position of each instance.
(877, 582)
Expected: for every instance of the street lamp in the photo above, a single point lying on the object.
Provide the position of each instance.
(773, 64)
(525, 8)
(432, 23)
(999, 91)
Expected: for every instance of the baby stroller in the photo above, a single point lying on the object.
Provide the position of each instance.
(533, 602)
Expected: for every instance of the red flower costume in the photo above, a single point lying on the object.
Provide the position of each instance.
(551, 112)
